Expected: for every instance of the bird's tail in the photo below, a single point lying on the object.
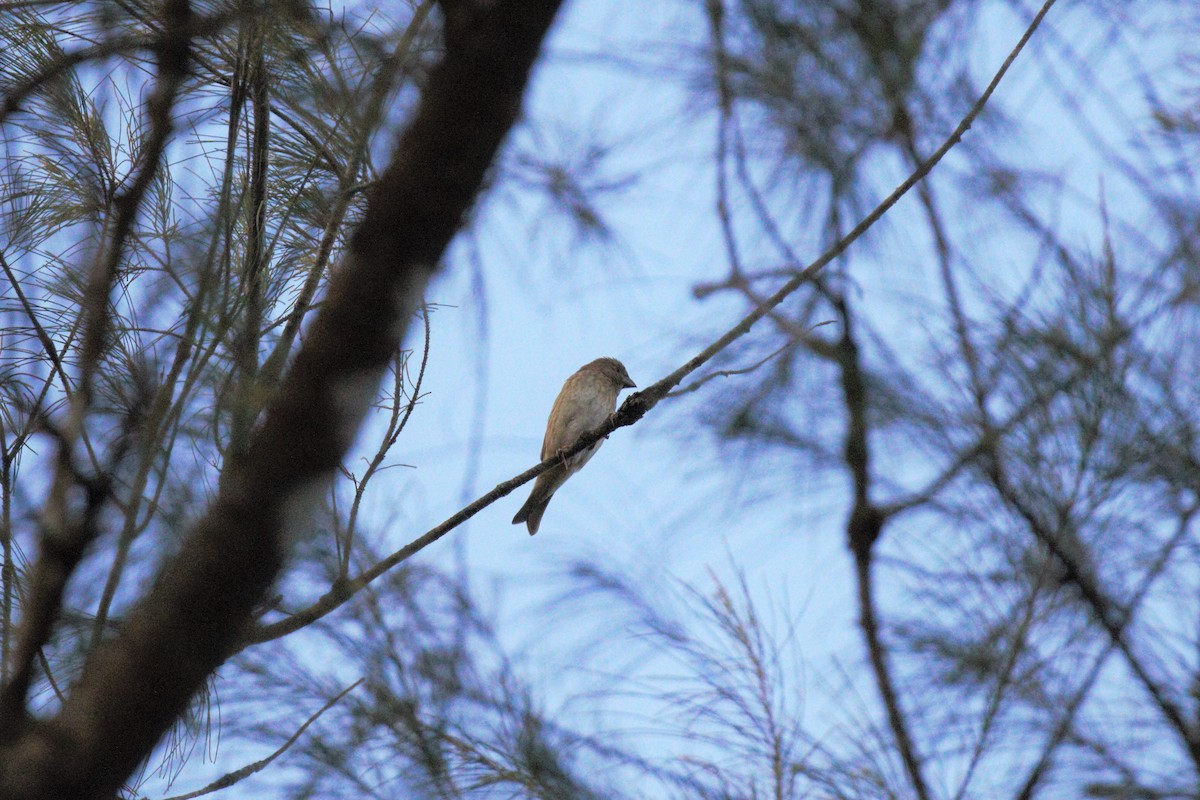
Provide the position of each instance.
(531, 512)
(543, 489)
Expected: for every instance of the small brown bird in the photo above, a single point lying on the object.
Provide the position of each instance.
(586, 400)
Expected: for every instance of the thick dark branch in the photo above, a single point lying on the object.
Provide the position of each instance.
(195, 614)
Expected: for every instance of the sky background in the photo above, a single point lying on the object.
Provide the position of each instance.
(521, 306)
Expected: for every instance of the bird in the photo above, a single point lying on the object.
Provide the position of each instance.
(586, 399)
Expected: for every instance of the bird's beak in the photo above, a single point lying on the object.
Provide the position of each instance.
(629, 384)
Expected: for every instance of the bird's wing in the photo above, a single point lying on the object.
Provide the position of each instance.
(574, 413)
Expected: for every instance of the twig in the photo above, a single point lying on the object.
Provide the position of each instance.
(725, 373)
(229, 779)
(43, 337)
(54, 687)
(395, 427)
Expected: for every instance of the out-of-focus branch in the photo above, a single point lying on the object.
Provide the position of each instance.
(60, 555)
(984, 444)
(863, 530)
(66, 532)
(190, 621)
(1067, 721)
(715, 10)
(945, 259)
(1106, 611)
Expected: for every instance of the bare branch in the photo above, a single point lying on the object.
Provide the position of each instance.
(725, 373)
(863, 530)
(231, 778)
(395, 427)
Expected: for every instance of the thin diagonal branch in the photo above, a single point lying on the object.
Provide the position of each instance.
(231, 778)
(43, 337)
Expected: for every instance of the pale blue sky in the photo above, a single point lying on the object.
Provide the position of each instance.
(657, 502)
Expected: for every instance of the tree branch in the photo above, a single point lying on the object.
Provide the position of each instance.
(863, 530)
(1108, 613)
(229, 779)
(1071, 707)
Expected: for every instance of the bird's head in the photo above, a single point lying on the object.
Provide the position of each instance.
(613, 370)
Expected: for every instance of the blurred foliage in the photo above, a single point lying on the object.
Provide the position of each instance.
(1026, 344)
